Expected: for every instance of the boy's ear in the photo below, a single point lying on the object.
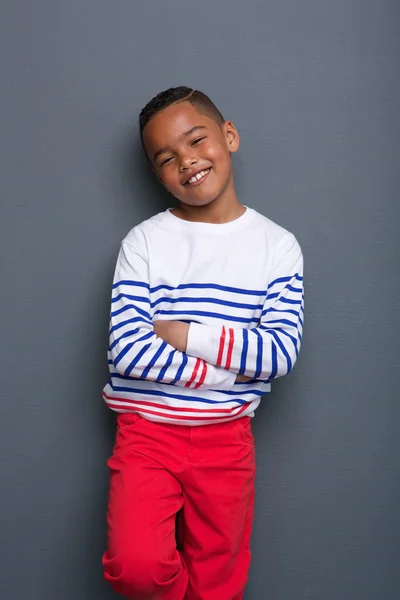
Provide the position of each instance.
(232, 136)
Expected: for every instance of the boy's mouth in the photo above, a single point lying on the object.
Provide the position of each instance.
(198, 178)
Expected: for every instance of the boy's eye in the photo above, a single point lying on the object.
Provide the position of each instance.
(197, 140)
(164, 162)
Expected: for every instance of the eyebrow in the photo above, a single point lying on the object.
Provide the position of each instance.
(185, 134)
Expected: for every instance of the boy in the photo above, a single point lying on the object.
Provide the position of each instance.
(206, 310)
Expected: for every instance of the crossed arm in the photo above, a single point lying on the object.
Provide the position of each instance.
(176, 333)
(264, 352)
(206, 356)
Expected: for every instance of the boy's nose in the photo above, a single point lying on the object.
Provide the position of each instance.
(186, 163)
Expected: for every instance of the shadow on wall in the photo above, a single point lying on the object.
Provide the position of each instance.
(139, 196)
(101, 433)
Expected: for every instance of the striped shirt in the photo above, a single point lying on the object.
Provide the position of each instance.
(240, 287)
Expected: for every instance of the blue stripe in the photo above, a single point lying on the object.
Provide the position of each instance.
(122, 353)
(180, 370)
(140, 311)
(284, 321)
(133, 283)
(137, 298)
(284, 351)
(291, 337)
(244, 352)
(154, 360)
(282, 331)
(212, 286)
(207, 314)
(293, 289)
(301, 322)
(274, 361)
(252, 392)
(123, 323)
(290, 301)
(280, 280)
(285, 279)
(164, 394)
(137, 358)
(166, 366)
(259, 354)
(277, 294)
(205, 300)
(124, 335)
(129, 346)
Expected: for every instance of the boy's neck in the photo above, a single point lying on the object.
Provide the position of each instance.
(222, 210)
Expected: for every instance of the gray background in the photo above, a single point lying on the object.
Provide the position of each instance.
(313, 88)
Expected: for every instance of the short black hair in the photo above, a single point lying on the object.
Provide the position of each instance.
(179, 94)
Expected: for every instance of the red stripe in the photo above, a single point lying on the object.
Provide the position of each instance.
(221, 347)
(111, 400)
(179, 417)
(193, 377)
(230, 348)
(203, 376)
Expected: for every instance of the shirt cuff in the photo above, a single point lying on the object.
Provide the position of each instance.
(201, 342)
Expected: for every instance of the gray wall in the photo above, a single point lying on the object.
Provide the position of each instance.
(313, 88)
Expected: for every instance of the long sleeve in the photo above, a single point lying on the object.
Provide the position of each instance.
(270, 349)
(135, 349)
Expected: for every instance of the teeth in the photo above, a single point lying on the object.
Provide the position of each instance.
(198, 176)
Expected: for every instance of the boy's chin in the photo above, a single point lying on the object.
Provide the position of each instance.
(196, 202)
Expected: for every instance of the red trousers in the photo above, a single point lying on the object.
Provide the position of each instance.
(204, 473)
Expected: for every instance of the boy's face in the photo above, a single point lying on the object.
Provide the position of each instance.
(183, 143)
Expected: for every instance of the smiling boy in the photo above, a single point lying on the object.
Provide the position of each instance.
(207, 309)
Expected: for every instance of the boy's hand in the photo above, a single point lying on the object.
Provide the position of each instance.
(174, 333)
